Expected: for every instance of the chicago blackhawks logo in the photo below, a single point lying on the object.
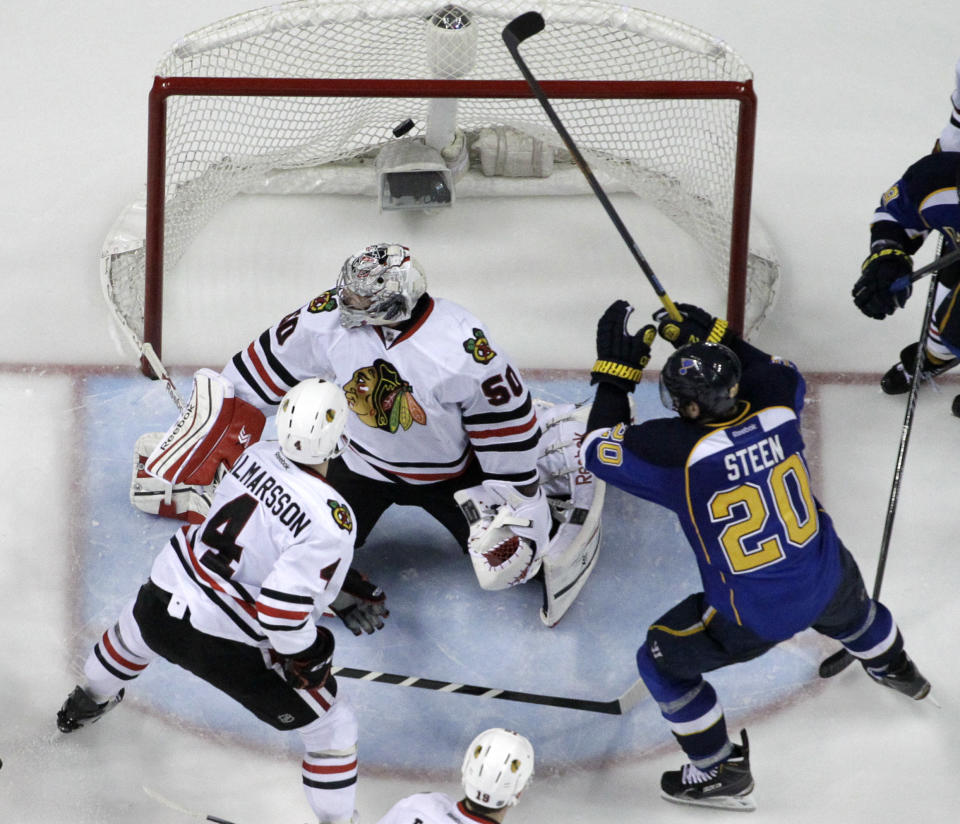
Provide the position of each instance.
(326, 302)
(341, 515)
(479, 347)
(382, 399)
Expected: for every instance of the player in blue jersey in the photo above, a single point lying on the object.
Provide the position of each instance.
(923, 201)
(731, 467)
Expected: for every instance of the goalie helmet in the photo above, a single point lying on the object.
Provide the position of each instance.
(708, 373)
(310, 422)
(379, 286)
(497, 766)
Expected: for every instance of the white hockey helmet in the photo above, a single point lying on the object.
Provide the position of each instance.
(379, 286)
(310, 421)
(497, 766)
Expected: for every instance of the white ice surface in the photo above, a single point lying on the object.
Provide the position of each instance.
(849, 94)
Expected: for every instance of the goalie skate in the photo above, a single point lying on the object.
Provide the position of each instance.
(576, 499)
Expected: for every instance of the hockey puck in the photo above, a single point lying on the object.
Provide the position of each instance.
(402, 128)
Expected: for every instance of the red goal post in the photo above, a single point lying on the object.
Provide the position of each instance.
(685, 144)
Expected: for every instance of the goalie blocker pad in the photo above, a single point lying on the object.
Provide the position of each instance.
(576, 502)
(213, 429)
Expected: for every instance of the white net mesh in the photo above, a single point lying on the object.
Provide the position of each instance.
(678, 153)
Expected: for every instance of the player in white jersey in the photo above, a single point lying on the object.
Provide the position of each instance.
(238, 598)
(949, 140)
(497, 767)
(437, 410)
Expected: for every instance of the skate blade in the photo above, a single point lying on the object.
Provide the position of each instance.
(741, 803)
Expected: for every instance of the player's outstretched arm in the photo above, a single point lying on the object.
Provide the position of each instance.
(621, 359)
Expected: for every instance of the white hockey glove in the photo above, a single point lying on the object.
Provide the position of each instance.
(360, 604)
(213, 429)
(509, 532)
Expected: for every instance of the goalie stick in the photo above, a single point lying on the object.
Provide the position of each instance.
(841, 659)
(514, 33)
(160, 371)
(617, 706)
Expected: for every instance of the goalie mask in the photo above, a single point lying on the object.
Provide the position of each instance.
(707, 373)
(379, 286)
(497, 766)
(310, 422)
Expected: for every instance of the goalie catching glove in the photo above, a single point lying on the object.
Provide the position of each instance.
(697, 325)
(360, 604)
(509, 532)
(213, 429)
(887, 263)
(621, 357)
(309, 668)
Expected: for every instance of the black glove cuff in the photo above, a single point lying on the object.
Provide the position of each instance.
(617, 370)
(320, 649)
(611, 380)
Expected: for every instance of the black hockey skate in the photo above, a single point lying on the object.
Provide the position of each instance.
(80, 709)
(726, 785)
(903, 676)
(897, 379)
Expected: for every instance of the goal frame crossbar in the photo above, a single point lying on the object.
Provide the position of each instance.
(166, 87)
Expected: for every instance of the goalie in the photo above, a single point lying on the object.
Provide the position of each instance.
(439, 419)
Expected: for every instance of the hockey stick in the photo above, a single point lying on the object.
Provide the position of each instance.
(913, 277)
(618, 706)
(514, 33)
(150, 356)
(841, 659)
(173, 805)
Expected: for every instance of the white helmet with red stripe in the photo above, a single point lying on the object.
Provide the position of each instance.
(497, 766)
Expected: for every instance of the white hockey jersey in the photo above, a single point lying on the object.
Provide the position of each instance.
(432, 808)
(268, 559)
(426, 397)
(949, 140)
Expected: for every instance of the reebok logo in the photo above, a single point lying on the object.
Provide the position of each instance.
(244, 437)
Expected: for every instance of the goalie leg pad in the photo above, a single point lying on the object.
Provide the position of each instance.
(156, 496)
(576, 502)
(214, 428)
(571, 557)
(508, 532)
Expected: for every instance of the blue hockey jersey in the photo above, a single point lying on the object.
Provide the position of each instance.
(923, 200)
(768, 553)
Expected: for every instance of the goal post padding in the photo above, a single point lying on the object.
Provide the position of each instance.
(657, 108)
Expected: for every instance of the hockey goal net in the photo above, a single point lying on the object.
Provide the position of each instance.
(308, 96)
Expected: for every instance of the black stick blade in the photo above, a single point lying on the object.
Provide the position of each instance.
(835, 664)
(520, 28)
